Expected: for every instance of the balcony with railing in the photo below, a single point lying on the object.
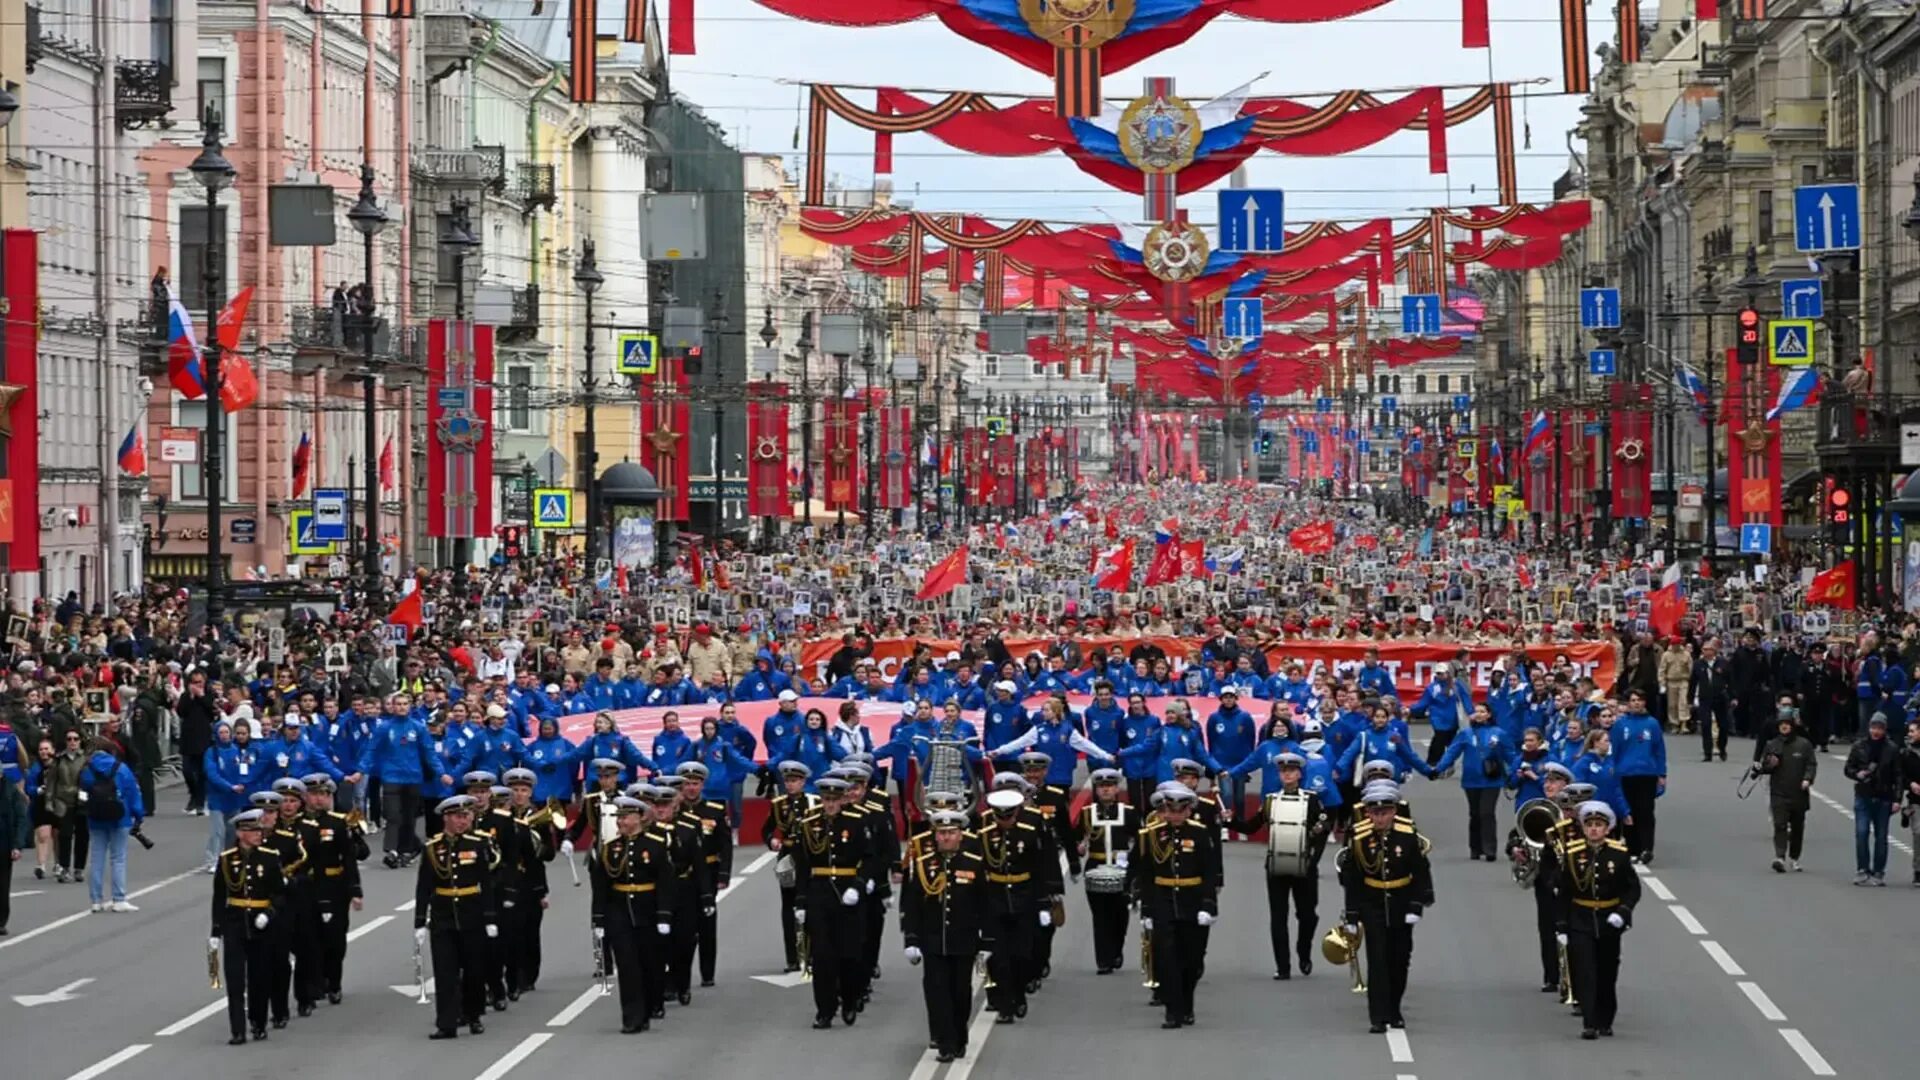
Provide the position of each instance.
(534, 187)
(142, 93)
(36, 44)
(480, 166)
(524, 323)
(1860, 432)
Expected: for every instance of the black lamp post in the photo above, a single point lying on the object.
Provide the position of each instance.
(368, 220)
(1667, 317)
(867, 433)
(214, 173)
(587, 280)
(457, 240)
(804, 346)
(717, 326)
(768, 335)
(1707, 298)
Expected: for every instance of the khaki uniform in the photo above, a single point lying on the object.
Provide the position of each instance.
(1676, 673)
(703, 659)
(577, 660)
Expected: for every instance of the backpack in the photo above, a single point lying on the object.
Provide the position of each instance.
(102, 796)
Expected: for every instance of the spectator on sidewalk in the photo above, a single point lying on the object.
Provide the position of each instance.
(1874, 770)
(71, 840)
(111, 798)
(16, 836)
(196, 710)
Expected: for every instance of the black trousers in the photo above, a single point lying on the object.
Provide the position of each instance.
(71, 840)
(1389, 945)
(1437, 746)
(459, 979)
(1139, 790)
(526, 946)
(873, 931)
(1483, 837)
(400, 805)
(295, 945)
(1641, 791)
(1789, 827)
(1042, 944)
(6, 895)
(630, 944)
(836, 947)
(247, 968)
(1303, 894)
(709, 944)
(947, 983)
(1707, 718)
(331, 947)
(1594, 961)
(193, 771)
(1543, 922)
(1012, 954)
(1179, 955)
(682, 943)
(1110, 914)
(789, 928)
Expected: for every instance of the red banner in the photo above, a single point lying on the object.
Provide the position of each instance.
(1462, 460)
(767, 450)
(896, 457)
(1484, 469)
(20, 508)
(666, 428)
(976, 476)
(1003, 471)
(1410, 663)
(1631, 435)
(1753, 445)
(1037, 468)
(842, 451)
(1577, 454)
(459, 408)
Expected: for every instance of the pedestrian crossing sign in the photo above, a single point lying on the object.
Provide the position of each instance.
(996, 425)
(639, 355)
(1790, 342)
(553, 508)
(300, 538)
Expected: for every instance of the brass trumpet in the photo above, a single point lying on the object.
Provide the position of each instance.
(1566, 981)
(1147, 979)
(806, 954)
(213, 966)
(1338, 947)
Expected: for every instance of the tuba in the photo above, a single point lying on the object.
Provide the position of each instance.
(1535, 821)
(1338, 947)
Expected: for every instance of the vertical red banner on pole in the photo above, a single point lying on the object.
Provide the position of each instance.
(1631, 425)
(1753, 446)
(1003, 470)
(842, 450)
(767, 449)
(973, 466)
(896, 457)
(1484, 469)
(666, 428)
(460, 443)
(1037, 467)
(20, 492)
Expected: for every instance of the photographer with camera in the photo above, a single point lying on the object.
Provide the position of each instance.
(1789, 762)
(1874, 770)
(109, 797)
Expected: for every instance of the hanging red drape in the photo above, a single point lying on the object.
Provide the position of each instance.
(1630, 441)
(842, 450)
(896, 457)
(666, 425)
(767, 437)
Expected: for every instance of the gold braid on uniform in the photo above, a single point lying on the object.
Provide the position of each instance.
(816, 838)
(1159, 844)
(1372, 869)
(443, 863)
(988, 838)
(237, 884)
(1584, 884)
(931, 885)
(626, 859)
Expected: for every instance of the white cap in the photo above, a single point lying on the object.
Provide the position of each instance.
(495, 711)
(1005, 799)
(1006, 687)
(788, 695)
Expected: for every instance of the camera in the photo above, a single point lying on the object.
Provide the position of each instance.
(145, 843)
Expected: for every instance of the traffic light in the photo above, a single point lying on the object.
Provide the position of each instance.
(1746, 341)
(510, 536)
(1266, 443)
(1839, 505)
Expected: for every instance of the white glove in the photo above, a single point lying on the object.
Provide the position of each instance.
(869, 886)
(506, 903)
(420, 936)
(1204, 919)
(599, 933)
(493, 931)
(913, 954)
(1046, 918)
(213, 944)
(850, 897)
(326, 916)
(1351, 929)
(1412, 918)
(886, 905)
(986, 956)
(260, 921)
(566, 848)
(663, 928)
(1560, 939)
(1614, 920)
(799, 916)
(1146, 923)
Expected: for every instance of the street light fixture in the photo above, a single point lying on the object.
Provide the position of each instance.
(768, 335)
(587, 279)
(368, 220)
(9, 104)
(214, 173)
(1909, 222)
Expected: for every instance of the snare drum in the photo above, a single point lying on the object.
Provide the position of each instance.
(1287, 835)
(1105, 880)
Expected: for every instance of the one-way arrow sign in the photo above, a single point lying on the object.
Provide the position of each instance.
(56, 997)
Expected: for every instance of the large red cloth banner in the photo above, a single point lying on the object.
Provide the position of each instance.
(1753, 445)
(666, 426)
(1631, 438)
(20, 489)
(583, 72)
(842, 452)
(1004, 468)
(767, 450)
(459, 443)
(1580, 462)
(976, 473)
(896, 457)
(1037, 468)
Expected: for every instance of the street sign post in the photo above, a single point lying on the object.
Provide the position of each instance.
(329, 515)
(1826, 217)
(300, 538)
(1790, 342)
(1252, 222)
(639, 354)
(1756, 539)
(1420, 314)
(1602, 362)
(1803, 298)
(1599, 309)
(1241, 317)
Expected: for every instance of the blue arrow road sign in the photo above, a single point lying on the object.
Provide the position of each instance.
(1241, 317)
(329, 515)
(1323, 405)
(1252, 222)
(1826, 217)
(1420, 314)
(1599, 309)
(1462, 403)
(1388, 404)
(1756, 539)
(1602, 362)
(1803, 298)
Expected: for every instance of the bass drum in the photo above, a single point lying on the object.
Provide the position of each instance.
(1287, 835)
(1106, 880)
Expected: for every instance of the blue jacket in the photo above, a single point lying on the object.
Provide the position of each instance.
(1473, 748)
(670, 749)
(779, 733)
(724, 763)
(1509, 706)
(1135, 730)
(1230, 734)
(400, 752)
(1154, 755)
(1006, 721)
(226, 766)
(1263, 758)
(102, 765)
(1390, 745)
(1318, 778)
(447, 752)
(342, 739)
(618, 747)
(556, 768)
(1639, 746)
(1599, 771)
(739, 738)
(603, 693)
(817, 751)
(281, 759)
(494, 751)
(1378, 679)
(1340, 734)
(898, 750)
(1104, 726)
(971, 696)
(1444, 705)
(1526, 789)
(1291, 691)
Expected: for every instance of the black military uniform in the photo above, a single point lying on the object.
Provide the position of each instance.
(528, 916)
(833, 857)
(691, 894)
(248, 883)
(1051, 810)
(454, 898)
(297, 929)
(943, 903)
(629, 906)
(1546, 905)
(784, 814)
(877, 809)
(512, 842)
(1597, 887)
(1107, 830)
(333, 860)
(1175, 871)
(716, 851)
(1016, 852)
(1386, 878)
(1300, 892)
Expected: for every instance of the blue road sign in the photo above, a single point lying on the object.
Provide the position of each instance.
(1366, 446)
(329, 515)
(1323, 405)
(1388, 404)
(1803, 298)
(1602, 362)
(1756, 539)
(1826, 217)
(639, 355)
(1420, 314)
(553, 508)
(1241, 317)
(1462, 403)
(1592, 429)
(1792, 341)
(1599, 309)
(1253, 221)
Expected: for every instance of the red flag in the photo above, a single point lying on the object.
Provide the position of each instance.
(1521, 574)
(302, 460)
(1834, 588)
(1193, 558)
(697, 563)
(946, 575)
(1113, 568)
(239, 387)
(407, 612)
(1113, 528)
(1241, 526)
(1367, 542)
(232, 318)
(1668, 607)
(1314, 539)
(1165, 566)
(387, 478)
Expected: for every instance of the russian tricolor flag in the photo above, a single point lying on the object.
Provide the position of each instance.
(1695, 389)
(1538, 435)
(1800, 389)
(183, 350)
(133, 452)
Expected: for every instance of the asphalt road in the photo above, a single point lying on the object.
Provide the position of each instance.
(1731, 971)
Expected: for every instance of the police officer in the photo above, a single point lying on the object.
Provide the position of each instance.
(247, 890)
(832, 852)
(716, 850)
(297, 928)
(1105, 829)
(1175, 868)
(784, 814)
(1014, 850)
(334, 862)
(1301, 892)
(539, 837)
(454, 895)
(630, 912)
(942, 921)
(1598, 892)
(1388, 885)
(690, 891)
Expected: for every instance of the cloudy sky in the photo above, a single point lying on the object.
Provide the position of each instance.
(746, 51)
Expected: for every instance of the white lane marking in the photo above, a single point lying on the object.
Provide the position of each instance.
(162, 883)
(1687, 920)
(1656, 887)
(408, 906)
(68, 920)
(1405, 1076)
(926, 1067)
(977, 1034)
(28, 892)
(368, 927)
(1847, 812)
(198, 1015)
(107, 1063)
(765, 858)
(515, 1056)
(1816, 1064)
(1762, 1002)
(576, 1007)
(1721, 957)
(1397, 1043)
